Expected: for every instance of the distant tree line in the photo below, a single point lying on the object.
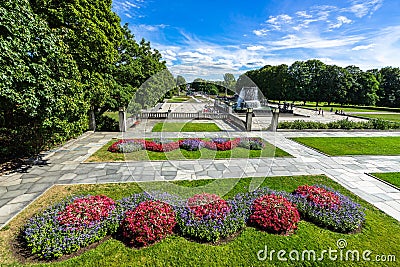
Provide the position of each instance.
(62, 62)
(227, 86)
(312, 80)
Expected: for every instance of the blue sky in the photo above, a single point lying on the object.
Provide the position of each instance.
(209, 38)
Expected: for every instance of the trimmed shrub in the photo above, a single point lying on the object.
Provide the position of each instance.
(274, 213)
(377, 124)
(149, 222)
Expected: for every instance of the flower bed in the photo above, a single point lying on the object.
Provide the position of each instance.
(190, 144)
(222, 144)
(146, 218)
(328, 208)
(50, 235)
(159, 145)
(127, 146)
(208, 221)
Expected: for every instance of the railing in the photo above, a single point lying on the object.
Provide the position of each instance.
(230, 118)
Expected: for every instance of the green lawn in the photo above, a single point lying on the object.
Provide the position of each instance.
(380, 233)
(341, 146)
(185, 127)
(178, 99)
(102, 155)
(388, 117)
(391, 177)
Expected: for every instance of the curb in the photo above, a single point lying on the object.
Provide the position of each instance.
(316, 150)
(383, 181)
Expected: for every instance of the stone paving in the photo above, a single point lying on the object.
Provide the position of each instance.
(66, 166)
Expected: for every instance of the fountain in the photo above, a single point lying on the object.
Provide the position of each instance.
(248, 98)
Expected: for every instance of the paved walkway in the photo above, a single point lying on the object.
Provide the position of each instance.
(65, 166)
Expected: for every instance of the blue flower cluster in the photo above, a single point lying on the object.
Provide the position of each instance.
(346, 219)
(192, 144)
(206, 229)
(219, 140)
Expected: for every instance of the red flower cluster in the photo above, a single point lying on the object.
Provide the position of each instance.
(275, 213)
(319, 196)
(86, 212)
(115, 146)
(157, 147)
(149, 222)
(208, 206)
(228, 145)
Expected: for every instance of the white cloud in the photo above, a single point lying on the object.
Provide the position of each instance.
(362, 8)
(363, 47)
(255, 47)
(127, 7)
(262, 32)
(310, 41)
(303, 14)
(205, 50)
(340, 20)
(276, 22)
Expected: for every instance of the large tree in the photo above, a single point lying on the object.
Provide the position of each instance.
(390, 87)
(93, 33)
(41, 97)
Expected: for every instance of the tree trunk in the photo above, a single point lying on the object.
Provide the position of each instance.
(92, 120)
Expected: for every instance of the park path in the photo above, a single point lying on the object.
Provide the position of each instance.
(66, 166)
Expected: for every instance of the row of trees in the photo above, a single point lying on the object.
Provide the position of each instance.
(214, 87)
(61, 61)
(312, 80)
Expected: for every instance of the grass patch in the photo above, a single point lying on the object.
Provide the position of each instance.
(390, 177)
(103, 155)
(178, 99)
(185, 127)
(388, 117)
(380, 233)
(341, 146)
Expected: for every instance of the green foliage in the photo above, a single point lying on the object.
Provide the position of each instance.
(312, 80)
(377, 124)
(389, 87)
(41, 97)
(58, 60)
